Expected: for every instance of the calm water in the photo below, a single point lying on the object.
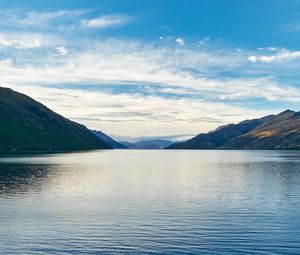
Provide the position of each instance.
(151, 202)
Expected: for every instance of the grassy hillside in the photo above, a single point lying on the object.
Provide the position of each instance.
(280, 132)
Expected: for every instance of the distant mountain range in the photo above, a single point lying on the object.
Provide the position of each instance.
(280, 132)
(111, 142)
(27, 125)
(148, 144)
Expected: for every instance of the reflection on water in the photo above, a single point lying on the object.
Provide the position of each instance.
(151, 202)
(20, 178)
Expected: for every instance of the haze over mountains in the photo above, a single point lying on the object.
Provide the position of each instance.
(273, 132)
(27, 125)
(148, 144)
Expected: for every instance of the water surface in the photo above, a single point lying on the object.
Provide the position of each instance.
(151, 202)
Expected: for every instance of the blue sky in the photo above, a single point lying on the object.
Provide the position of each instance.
(153, 68)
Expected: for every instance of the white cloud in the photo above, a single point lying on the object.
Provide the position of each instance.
(269, 48)
(20, 43)
(180, 41)
(264, 88)
(133, 63)
(37, 18)
(106, 21)
(204, 41)
(282, 55)
(252, 59)
(5, 63)
(62, 51)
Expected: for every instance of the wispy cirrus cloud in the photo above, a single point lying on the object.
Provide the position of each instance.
(39, 19)
(27, 41)
(62, 19)
(35, 18)
(169, 70)
(106, 21)
(24, 43)
(293, 27)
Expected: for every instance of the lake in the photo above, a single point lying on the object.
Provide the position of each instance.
(151, 202)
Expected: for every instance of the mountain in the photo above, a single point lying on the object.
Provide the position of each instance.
(281, 131)
(111, 142)
(148, 144)
(26, 124)
(126, 144)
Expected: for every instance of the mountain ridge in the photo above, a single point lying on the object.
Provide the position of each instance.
(110, 141)
(27, 125)
(281, 131)
(150, 144)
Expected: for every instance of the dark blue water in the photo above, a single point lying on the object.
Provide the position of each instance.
(151, 202)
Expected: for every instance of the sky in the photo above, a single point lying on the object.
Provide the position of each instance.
(153, 68)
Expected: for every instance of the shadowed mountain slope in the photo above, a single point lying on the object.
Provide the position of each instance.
(114, 144)
(26, 124)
